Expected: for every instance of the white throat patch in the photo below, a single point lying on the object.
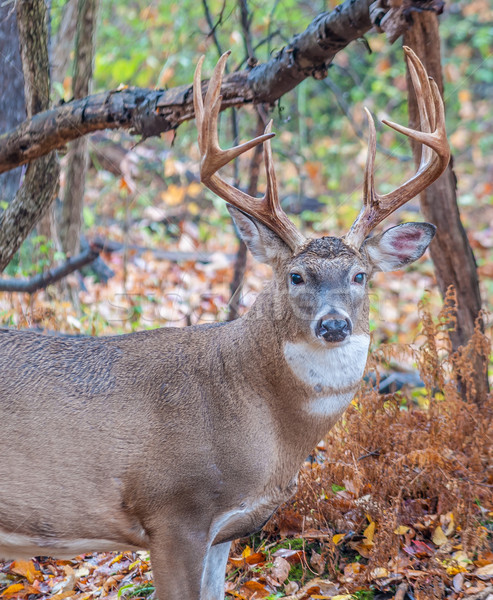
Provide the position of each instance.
(329, 371)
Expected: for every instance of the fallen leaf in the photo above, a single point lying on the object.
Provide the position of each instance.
(461, 558)
(291, 555)
(401, 530)
(454, 570)
(419, 549)
(458, 582)
(448, 523)
(337, 539)
(25, 568)
(63, 595)
(255, 558)
(362, 548)
(486, 570)
(379, 572)
(317, 562)
(484, 559)
(291, 588)
(412, 573)
(237, 595)
(259, 590)
(369, 532)
(438, 537)
(13, 589)
(280, 569)
(254, 585)
(352, 569)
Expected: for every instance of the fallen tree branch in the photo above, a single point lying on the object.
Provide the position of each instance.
(50, 277)
(148, 112)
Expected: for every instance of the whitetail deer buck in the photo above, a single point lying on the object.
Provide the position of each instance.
(181, 440)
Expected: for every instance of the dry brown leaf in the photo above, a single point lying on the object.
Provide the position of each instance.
(291, 588)
(280, 569)
(253, 587)
(486, 570)
(317, 562)
(25, 568)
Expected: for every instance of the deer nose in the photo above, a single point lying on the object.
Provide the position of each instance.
(333, 328)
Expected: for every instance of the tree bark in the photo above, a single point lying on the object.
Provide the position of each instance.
(40, 184)
(450, 251)
(71, 219)
(12, 106)
(151, 112)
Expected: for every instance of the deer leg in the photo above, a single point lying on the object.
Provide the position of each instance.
(178, 557)
(214, 572)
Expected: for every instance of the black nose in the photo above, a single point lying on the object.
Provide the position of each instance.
(333, 329)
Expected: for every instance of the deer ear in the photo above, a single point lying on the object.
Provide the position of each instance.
(265, 245)
(399, 246)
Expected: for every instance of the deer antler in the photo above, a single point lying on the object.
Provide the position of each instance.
(267, 209)
(434, 158)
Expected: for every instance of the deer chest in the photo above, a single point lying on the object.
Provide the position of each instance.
(250, 516)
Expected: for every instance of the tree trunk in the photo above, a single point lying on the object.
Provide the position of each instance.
(71, 221)
(450, 251)
(63, 43)
(40, 184)
(12, 106)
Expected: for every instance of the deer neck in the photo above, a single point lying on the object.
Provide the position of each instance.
(307, 383)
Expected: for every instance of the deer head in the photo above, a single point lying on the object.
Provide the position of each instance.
(323, 283)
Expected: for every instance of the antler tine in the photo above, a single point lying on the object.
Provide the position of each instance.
(271, 194)
(198, 103)
(434, 158)
(267, 209)
(369, 184)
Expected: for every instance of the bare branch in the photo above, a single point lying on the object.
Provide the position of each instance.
(50, 277)
(151, 112)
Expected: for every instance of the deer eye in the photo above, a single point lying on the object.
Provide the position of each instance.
(359, 278)
(296, 278)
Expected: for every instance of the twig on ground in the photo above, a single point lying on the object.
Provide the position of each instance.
(372, 453)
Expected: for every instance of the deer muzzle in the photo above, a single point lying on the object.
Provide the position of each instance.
(334, 328)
